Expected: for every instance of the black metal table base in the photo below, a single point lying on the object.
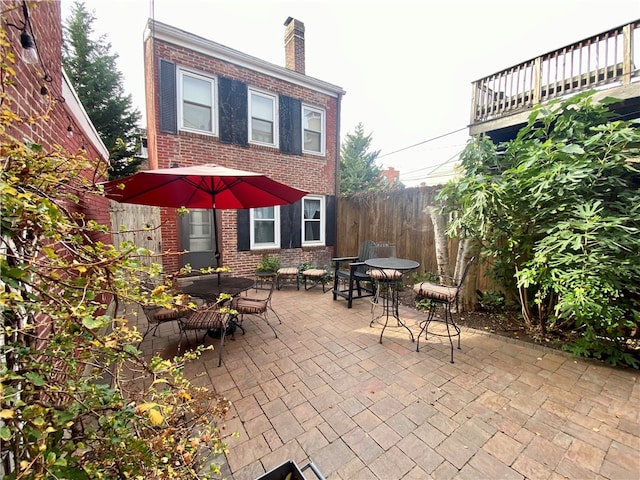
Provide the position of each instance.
(222, 334)
(388, 293)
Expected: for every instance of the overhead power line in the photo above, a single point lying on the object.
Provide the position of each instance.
(423, 142)
(433, 168)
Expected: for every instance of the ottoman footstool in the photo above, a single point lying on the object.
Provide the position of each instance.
(315, 276)
(287, 274)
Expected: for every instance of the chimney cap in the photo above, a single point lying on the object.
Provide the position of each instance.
(288, 21)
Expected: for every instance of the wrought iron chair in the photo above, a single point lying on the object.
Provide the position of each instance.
(157, 315)
(445, 295)
(258, 306)
(210, 319)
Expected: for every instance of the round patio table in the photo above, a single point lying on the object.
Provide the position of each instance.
(388, 273)
(209, 288)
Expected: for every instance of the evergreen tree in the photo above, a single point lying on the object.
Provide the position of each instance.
(93, 72)
(358, 169)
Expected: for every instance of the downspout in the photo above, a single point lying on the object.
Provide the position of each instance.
(337, 179)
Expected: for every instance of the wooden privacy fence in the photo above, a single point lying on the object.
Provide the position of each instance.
(400, 217)
(142, 224)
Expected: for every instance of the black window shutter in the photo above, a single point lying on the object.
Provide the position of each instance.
(291, 225)
(240, 114)
(330, 221)
(232, 111)
(244, 235)
(290, 111)
(168, 97)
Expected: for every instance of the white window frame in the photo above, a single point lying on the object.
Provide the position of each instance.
(204, 220)
(323, 221)
(322, 132)
(214, 102)
(276, 230)
(274, 103)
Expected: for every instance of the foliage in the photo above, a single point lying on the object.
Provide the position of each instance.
(268, 264)
(417, 277)
(558, 208)
(94, 74)
(358, 169)
(78, 399)
(424, 304)
(492, 301)
(302, 266)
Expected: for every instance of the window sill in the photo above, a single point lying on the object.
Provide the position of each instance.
(318, 246)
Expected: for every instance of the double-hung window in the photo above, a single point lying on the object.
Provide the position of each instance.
(265, 227)
(197, 102)
(313, 129)
(262, 118)
(313, 220)
(200, 236)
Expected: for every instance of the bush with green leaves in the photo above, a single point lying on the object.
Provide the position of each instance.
(78, 400)
(558, 210)
(268, 264)
(492, 301)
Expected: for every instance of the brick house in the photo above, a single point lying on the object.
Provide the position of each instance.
(43, 89)
(208, 103)
(48, 109)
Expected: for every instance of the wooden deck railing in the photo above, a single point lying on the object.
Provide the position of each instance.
(603, 60)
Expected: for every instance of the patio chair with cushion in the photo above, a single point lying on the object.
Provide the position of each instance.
(445, 295)
(157, 315)
(257, 305)
(210, 319)
(351, 278)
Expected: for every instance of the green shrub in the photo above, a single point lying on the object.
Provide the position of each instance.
(557, 209)
(79, 400)
(492, 301)
(424, 304)
(268, 264)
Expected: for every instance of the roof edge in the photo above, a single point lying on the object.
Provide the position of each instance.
(167, 33)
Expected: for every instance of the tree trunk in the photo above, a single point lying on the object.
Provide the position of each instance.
(441, 241)
(466, 249)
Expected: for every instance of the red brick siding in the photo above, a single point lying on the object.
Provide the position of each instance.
(45, 18)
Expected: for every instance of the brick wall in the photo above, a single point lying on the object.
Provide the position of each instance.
(52, 115)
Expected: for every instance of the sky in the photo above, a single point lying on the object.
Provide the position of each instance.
(406, 65)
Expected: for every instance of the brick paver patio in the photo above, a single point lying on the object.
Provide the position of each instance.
(327, 391)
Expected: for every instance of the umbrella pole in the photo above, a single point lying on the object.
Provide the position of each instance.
(215, 238)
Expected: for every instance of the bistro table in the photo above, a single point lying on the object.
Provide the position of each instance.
(209, 287)
(388, 272)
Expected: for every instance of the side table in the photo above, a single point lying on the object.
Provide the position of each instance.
(262, 277)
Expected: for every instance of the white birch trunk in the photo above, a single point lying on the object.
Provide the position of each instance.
(441, 241)
(467, 298)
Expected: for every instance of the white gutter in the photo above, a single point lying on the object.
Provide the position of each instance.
(79, 114)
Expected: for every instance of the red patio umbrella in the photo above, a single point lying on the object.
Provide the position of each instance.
(206, 186)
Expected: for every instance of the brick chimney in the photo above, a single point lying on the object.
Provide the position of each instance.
(294, 45)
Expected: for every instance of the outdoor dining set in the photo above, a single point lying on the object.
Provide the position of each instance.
(376, 273)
